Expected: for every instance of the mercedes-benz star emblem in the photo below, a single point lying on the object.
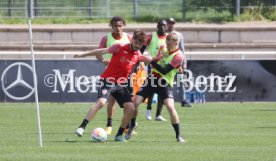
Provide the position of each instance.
(19, 81)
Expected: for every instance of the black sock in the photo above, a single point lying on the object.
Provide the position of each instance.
(159, 107)
(176, 129)
(133, 122)
(149, 102)
(109, 122)
(120, 131)
(158, 112)
(84, 123)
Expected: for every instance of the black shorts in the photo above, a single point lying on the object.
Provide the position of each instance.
(158, 86)
(103, 88)
(119, 92)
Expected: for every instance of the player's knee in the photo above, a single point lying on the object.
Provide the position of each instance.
(136, 104)
(100, 104)
(129, 108)
(170, 108)
(111, 106)
(137, 101)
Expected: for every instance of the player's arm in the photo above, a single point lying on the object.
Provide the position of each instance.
(181, 43)
(174, 64)
(146, 59)
(102, 45)
(182, 48)
(102, 59)
(143, 48)
(96, 52)
(163, 70)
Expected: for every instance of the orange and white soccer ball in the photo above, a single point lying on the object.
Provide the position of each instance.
(98, 135)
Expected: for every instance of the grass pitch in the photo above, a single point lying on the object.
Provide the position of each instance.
(214, 131)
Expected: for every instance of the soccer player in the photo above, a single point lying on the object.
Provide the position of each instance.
(171, 22)
(154, 41)
(114, 78)
(116, 36)
(161, 82)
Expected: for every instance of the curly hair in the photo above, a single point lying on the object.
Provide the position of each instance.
(115, 19)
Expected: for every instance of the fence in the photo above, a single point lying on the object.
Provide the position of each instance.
(74, 81)
(187, 9)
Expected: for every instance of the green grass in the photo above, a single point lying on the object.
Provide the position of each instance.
(78, 12)
(214, 131)
(209, 16)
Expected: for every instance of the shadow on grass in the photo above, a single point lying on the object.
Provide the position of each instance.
(54, 133)
(108, 141)
(265, 110)
(67, 141)
(267, 127)
(79, 141)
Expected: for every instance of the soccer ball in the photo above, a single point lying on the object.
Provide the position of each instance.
(98, 135)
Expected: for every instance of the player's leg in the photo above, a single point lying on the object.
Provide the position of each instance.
(146, 92)
(123, 97)
(149, 107)
(150, 98)
(184, 102)
(167, 94)
(169, 102)
(138, 99)
(110, 112)
(128, 114)
(161, 91)
(158, 116)
(90, 115)
(103, 93)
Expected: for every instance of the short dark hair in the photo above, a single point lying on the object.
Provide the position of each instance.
(115, 19)
(171, 20)
(161, 21)
(140, 36)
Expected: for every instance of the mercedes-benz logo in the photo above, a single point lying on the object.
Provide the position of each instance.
(19, 81)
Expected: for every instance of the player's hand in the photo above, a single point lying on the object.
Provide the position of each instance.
(184, 66)
(77, 56)
(147, 59)
(181, 69)
(158, 57)
(105, 62)
(141, 66)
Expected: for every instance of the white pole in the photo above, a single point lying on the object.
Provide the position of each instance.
(107, 8)
(35, 83)
(238, 7)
